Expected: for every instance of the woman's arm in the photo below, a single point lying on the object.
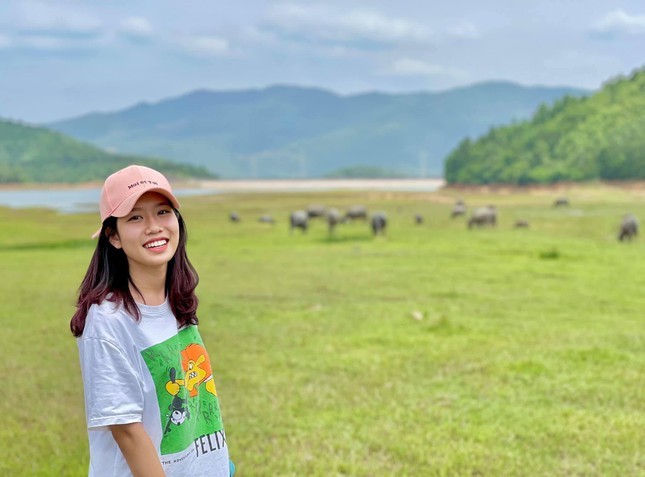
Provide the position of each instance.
(137, 448)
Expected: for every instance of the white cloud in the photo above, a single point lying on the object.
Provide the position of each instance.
(40, 17)
(44, 43)
(316, 22)
(377, 27)
(618, 22)
(206, 46)
(413, 67)
(5, 41)
(47, 27)
(339, 52)
(47, 43)
(465, 30)
(255, 35)
(580, 60)
(136, 27)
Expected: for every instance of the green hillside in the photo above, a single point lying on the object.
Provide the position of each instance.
(287, 131)
(597, 137)
(34, 154)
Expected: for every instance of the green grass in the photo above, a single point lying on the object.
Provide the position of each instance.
(528, 359)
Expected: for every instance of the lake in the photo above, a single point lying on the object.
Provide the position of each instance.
(83, 199)
(68, 201)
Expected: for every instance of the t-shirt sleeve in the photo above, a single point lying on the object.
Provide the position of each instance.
(113, 393)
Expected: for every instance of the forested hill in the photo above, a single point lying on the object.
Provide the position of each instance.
(33, 154)
(597, 137)
(289, 131)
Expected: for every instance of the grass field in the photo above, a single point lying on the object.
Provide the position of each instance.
(435, 351)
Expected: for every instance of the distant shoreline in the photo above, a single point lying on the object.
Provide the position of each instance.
(262, 185)
(305, 185)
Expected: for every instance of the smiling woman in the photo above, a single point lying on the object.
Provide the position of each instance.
(137, 327)
(148, 236)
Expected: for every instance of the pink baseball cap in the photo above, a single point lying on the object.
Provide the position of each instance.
(122, 189)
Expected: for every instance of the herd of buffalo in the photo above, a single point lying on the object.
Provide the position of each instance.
(479, 217)
(300, 219)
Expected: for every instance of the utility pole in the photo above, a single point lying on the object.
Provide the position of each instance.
(423, 164)
(253, 160)
(302, 160)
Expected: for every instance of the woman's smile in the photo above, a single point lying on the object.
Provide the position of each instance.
(149, 234)
(157, 246)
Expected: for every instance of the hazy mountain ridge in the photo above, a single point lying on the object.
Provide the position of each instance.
(34, 154)
(287, 131)
(596, 137)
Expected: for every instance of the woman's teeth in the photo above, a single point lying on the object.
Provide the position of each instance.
(158, 243)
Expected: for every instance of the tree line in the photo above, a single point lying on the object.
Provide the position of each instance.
(574, 139)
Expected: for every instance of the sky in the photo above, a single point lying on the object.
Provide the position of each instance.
(64, 58)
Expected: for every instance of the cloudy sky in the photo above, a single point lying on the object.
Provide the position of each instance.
(61, 58)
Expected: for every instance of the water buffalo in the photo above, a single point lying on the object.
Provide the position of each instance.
(521, 224)
(561, 202)
(298, 220)
(266, 219)
(334, 218)
(458, 209)
(234, 217)
(379, 223)
(315, 210)
(483, 216)
(356, 212)
(628, 228)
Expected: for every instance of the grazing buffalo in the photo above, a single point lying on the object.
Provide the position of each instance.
(458, 209)
(315, 210)
(298, 220)
(418, 219)
(521, 224)
(334, 218)
(356, 212)
(628, 228)
(483, 216)
(379, 223)
(561, 202)
(234, 217)
(266, 219)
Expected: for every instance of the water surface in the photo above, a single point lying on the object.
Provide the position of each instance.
(84, 199)
(68, 201)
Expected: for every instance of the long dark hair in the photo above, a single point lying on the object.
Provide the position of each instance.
(108, 278)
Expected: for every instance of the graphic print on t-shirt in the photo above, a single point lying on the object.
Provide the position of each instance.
(183, 377)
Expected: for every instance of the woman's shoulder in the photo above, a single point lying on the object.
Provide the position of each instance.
(105, 320)
(105, 309)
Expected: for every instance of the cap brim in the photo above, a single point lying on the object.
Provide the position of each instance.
(125, 207)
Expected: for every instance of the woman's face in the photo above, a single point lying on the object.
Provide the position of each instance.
(149, 234)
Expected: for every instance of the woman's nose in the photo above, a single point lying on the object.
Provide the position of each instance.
(153, 227)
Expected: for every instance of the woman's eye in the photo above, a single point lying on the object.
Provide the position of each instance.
(134, 217)
(164, 211)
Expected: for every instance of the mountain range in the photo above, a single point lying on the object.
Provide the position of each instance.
(290, 132)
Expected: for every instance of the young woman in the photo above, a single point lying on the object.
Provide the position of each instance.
(150, 399)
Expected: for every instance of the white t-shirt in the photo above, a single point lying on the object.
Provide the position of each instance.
(151, 372)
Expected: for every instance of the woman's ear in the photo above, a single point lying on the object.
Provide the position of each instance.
(113, 237)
